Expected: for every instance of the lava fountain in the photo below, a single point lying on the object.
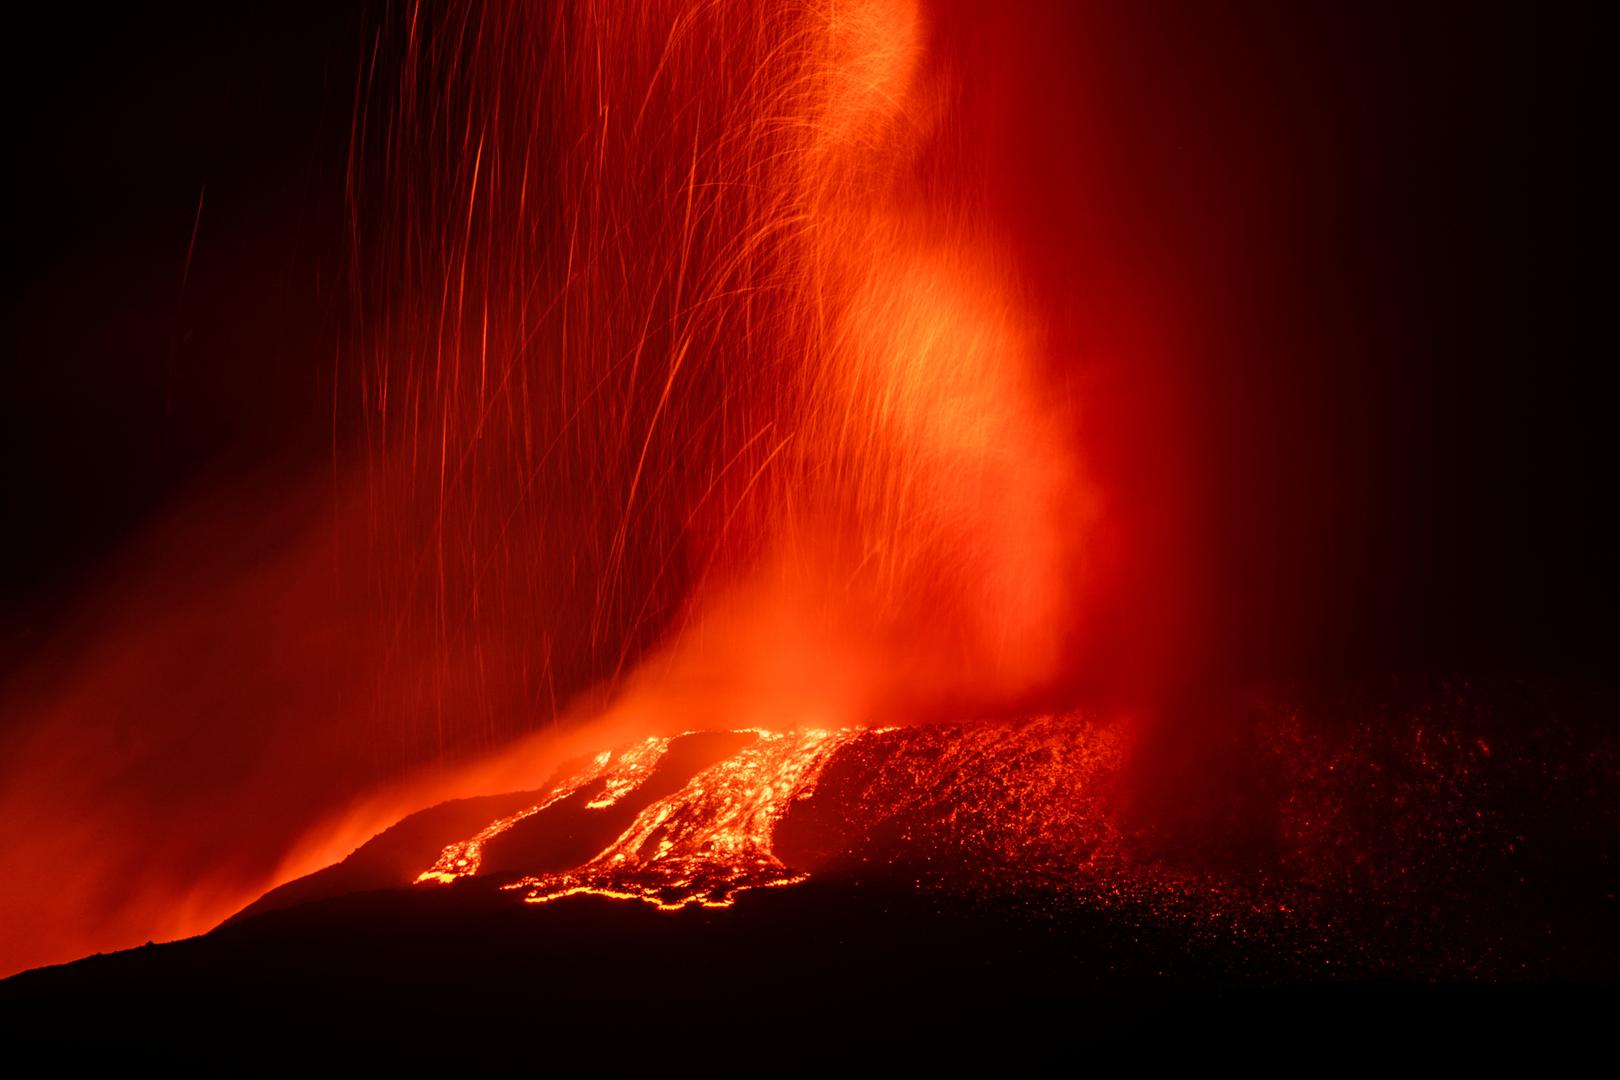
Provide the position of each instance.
(706, 350)
(694, 391)
(776, 312)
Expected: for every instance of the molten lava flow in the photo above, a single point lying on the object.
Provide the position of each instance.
(701, 845)
(620, 773)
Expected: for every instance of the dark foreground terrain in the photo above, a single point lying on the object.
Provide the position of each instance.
(1427, 866)
(452, 978)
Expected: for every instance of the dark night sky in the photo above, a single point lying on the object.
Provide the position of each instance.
(1444, 440)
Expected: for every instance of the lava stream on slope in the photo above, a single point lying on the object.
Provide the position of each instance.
(1358, 847)
(699, 845)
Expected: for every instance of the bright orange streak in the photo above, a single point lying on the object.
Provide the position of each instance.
(622, 772)
(703, 844)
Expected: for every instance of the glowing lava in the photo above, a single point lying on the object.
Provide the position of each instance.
(620, 773)
(701, 845)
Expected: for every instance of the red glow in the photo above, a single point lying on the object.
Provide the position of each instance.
(706, 377)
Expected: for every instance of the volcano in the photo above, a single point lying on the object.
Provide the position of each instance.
(1399, 855)
(564, 532)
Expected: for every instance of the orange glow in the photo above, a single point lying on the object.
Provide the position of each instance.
(695, 392)
(712, 839)
(619, 772)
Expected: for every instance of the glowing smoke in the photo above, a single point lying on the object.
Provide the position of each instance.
(688, 375)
